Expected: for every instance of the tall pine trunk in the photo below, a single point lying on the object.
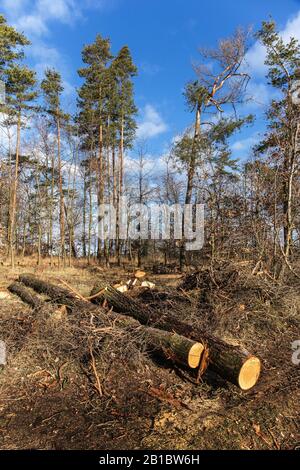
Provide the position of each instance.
(84, 215)
(190, 180)
(90, 211)
(14, 194)
(120, 189)
(101, 184)
(61, 198)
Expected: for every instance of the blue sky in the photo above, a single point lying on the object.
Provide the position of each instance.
(164, 36)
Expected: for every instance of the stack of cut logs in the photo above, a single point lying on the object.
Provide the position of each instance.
(178, 341)
(138, 280)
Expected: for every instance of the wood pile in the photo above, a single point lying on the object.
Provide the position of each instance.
(175, 340)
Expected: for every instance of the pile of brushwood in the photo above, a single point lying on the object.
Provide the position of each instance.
(110, 323)
(164, 367)
(171, 366)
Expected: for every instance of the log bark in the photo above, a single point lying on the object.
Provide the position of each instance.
(180, 350)
(233, 363)
(58, 295)
(17, 288)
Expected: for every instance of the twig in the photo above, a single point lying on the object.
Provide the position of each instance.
(185, 294)
(73, 290)
(95, 295)
(254, 271)
(93, 364)
(34, 374)
(274, 440)
(164, 396)
(59, 371)
(52, 416)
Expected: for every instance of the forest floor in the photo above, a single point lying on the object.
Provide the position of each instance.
(47, 400)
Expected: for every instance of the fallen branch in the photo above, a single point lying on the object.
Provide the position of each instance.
(73, 290)
(93, 364)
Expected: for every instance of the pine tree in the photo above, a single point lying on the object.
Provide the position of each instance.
(52, 89)
(20, 92)
(123, 70)
(93, 97)
(18, 82)
(282, 141)
(11, 46)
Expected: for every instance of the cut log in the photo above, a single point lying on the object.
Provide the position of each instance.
(26, 295)
(177, 348)
(231, 362)
(58, 295)
(180, 350)
(234, 364)
(121, 287)
(148, 284)
(139, 274)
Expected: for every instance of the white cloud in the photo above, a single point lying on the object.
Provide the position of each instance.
(255, 59)
(69, 89)
(46, 56)
(18, 5)
(259, 95)
(32, 24)
(64, 10)
(149, 69)
(152, 123)
(242, 147)
(100, 4)
(258, 92)
(242, 144)
(45, 52)
(292, 28)
(153, 165)
(34, 18)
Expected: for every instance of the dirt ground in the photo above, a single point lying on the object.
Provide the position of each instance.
(48, 399)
